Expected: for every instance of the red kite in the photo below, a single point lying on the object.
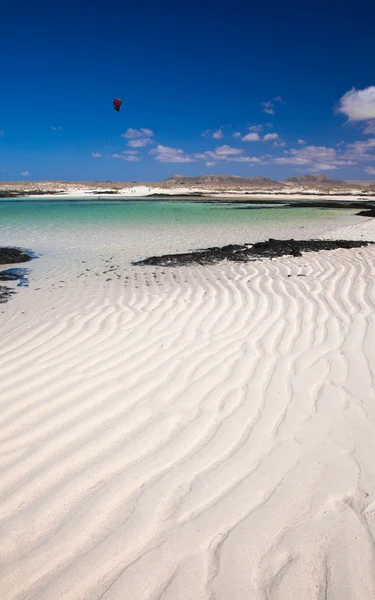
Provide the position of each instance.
(117, 104)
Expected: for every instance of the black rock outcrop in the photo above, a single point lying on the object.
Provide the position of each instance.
(248, 252)
(10, 256)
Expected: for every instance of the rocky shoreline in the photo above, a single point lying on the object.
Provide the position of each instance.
(249, 252)
(10, 256)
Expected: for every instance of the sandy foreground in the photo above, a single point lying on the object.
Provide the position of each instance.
(198, 433)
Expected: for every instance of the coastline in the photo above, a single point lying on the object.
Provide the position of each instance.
(124, 191)
(192, 432)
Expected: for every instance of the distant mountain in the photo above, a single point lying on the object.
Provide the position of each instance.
(202, 180)
(317, 179)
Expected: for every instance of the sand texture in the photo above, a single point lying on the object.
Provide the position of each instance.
(198, 433)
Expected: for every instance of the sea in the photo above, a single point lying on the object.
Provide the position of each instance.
(67, 233)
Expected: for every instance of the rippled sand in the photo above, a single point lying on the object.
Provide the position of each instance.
(193, 433)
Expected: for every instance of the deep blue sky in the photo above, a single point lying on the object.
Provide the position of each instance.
(181, 69)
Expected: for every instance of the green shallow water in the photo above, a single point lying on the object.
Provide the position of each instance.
(136, 229)
(63, 212)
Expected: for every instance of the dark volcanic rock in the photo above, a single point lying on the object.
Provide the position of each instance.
(366, 213)
(9, 256)
(270, 249)
(5, 294)
(106, 192)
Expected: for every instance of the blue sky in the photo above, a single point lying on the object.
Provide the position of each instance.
(273, 89)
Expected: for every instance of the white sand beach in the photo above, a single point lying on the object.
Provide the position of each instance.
(197, 433)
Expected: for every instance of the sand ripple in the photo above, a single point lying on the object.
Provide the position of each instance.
(197, 433)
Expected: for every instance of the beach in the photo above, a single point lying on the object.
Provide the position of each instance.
(197, 432)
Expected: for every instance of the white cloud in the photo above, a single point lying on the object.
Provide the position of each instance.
(269, 137)
(302, 142)
(370, 170)
(227, 153)
(128, 157)
(275, 138)
(246, 159)
(59, 128)
(269, 106)
(370, 126)
(166, 154)
(25, 173)
(361, 150)
(210, 163)
(133, 134)
(226, 150)
(138, 138)
(140, 143)
(252, 136)
(96, 154)
(358, 105)
(315, 157)
(218, 134)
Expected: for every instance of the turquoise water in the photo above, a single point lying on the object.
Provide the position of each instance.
(32, 213)
(136, 229)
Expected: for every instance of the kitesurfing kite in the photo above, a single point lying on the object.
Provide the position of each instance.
(117, 104)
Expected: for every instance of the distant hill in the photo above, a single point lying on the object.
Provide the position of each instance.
(219, 180)
(316, 179)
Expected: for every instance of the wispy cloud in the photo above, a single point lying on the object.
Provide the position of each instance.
(370, 126)
(25, 173)
(210, 163)
(54, 128)
(361, 150)
(128, 157)
(269, 105)
(252, 136)
(275, 138)
(132, 134)
(226, 153)
(165, 154)
(315, 157)
(270, 137)
(301, 142)
(138, 138)
(216, 135)
(96, 154)
(370, 170)
(140, 143)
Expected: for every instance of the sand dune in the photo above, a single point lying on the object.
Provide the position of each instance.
(194, 433)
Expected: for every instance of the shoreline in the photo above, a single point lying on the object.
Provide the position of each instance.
(316, 200)
(201, 192)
